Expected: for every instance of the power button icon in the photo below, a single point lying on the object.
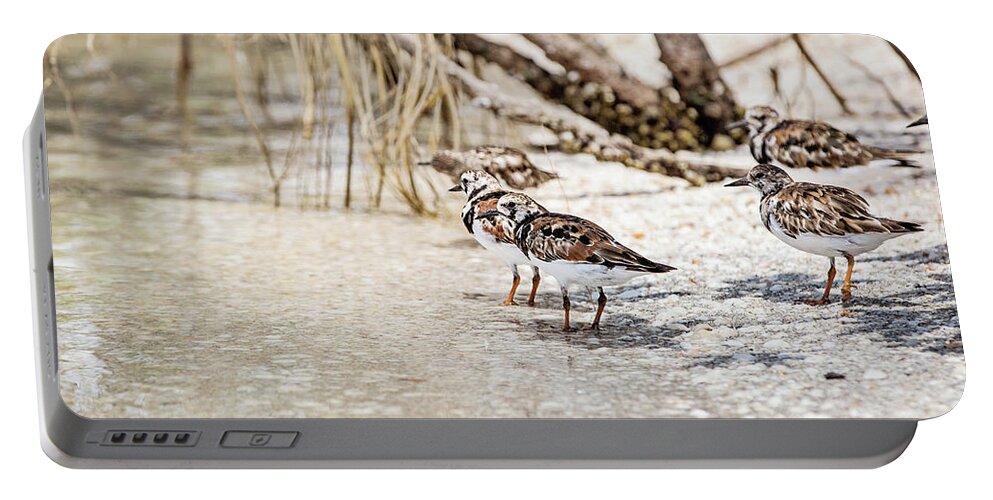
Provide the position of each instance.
(258, 439)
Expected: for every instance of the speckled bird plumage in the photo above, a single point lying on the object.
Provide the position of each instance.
(803, 208)
(810, 144)
(824, 220)
(511, 166)
(552, 237)
(573, 250)
(496, 233)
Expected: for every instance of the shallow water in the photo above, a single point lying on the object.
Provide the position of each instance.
(181, 292)
(177, 307)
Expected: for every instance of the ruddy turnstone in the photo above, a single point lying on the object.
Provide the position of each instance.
(496, 233)
(509, 165)
(920, 121)
(573, 250)
(823, 220)
(810, 144)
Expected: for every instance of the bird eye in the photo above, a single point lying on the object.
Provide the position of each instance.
(759, 175)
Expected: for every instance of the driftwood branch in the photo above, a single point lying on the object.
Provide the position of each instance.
(882, 84)
(592, 43)
(754, 52)
(698, 80)
(588, 88)
(906, 61)
(576, 133)
(590, 65)
(813, 64)
(545, 82)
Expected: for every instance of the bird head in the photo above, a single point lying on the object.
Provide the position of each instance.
(768, 179)
(757, 119)
(514, 206)
(517, 206)
(475, 182)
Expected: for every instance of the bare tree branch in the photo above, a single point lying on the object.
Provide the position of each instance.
(576, 133)
(754, 52)
(813, 64)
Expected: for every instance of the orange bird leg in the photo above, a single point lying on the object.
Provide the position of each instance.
(566, 306)
(534, 286)
(513, 290)
(601, 303)
(846, 287)
(826, 298)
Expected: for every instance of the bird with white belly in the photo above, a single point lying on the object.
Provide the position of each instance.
(573, 250)
(824, 220)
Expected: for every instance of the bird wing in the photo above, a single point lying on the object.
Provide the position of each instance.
(510, 165)
(552, 237)
(809, 144)
(804, 208)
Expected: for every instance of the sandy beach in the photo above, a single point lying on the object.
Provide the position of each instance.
(182, 292)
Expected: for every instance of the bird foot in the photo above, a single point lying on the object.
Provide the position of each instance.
(508, 303)
(530, 303)
(846, 295)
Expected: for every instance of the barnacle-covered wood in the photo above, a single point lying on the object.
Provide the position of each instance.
(698, 80)
(599, 89)
(578, 134)
(548, 84)
(593, 66)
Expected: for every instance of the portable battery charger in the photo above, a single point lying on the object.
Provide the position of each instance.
(460, 250)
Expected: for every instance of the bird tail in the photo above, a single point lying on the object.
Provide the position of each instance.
(902, 157)
(542, 176)
(658, 267)
(447, 162)
(621, 255)
(899, 226)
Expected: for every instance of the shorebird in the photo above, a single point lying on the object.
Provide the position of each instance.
(810, 144)
(573, 250)
(920, 121)
(824, 220)
(495, 233)
(510, 165)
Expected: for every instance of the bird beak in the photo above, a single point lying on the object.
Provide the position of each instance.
(920, 121)
(487, 214)
(737, 124)
(740, 182)
(456, 188)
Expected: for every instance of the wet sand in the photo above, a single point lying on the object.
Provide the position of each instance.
(183, 293)
(175, 308)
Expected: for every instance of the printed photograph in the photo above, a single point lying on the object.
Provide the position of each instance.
(496, 226)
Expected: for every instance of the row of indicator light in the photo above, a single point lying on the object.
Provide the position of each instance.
(156, 438)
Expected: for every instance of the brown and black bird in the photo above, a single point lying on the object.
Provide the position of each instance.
(494, 233)
(573, 250)
(511, 166)
(810, 144)
(819, 219)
